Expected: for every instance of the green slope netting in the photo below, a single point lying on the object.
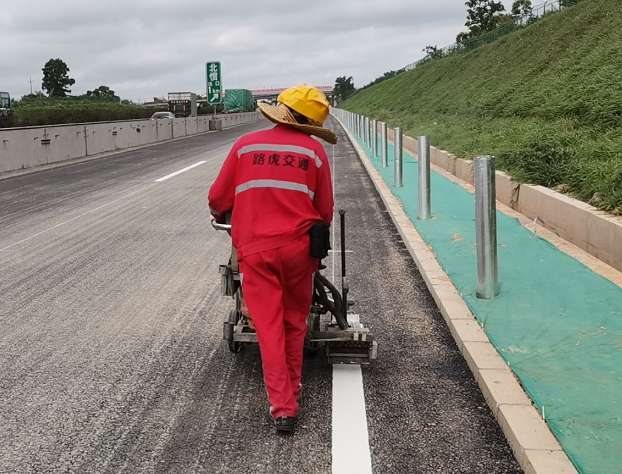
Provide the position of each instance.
(556, 322)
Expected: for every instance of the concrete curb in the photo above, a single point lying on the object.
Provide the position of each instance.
(534, 445)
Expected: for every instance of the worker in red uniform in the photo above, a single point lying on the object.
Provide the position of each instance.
(277, 183)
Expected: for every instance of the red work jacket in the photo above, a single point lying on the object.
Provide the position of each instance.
(278, 184)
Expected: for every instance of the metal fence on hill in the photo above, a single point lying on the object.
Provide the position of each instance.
(515, 23)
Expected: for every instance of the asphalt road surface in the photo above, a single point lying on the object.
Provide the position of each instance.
(111, 351)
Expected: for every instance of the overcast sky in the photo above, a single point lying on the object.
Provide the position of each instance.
(147, 48)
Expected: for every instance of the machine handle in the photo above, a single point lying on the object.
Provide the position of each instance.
(345, 288)
(219, 226)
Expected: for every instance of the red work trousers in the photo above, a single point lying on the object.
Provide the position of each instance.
(278, 288)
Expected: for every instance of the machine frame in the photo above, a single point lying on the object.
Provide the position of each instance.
(330, 324)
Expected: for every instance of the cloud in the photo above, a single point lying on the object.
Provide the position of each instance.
(145, 48)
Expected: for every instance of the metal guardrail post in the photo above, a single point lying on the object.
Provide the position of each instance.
(423, 152)
(384, 144)
(486, 227)
(374, 138)
(398, 161)
(366, 131)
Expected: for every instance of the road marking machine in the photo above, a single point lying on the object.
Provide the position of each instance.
(331, 325)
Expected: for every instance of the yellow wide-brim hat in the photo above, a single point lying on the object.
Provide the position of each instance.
(305, 100)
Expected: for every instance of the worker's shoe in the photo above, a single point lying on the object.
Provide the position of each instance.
(285, 424)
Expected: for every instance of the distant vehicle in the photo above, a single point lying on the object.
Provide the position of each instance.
(5, 109)
(239, 100)
(182, 104)
(162, 115)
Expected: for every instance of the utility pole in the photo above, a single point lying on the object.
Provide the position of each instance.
(31, 85)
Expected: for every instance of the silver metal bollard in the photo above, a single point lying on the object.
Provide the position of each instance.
(398, 161)
(384, 144)
(486, 227)
(366, 130)
(374, 138)
(423, 151)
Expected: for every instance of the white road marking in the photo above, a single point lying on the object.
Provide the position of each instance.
(351, 453)
(100, 207)
(74, 218)
(180, 171)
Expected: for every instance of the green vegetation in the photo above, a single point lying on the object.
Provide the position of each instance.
(545, 100)
(344, 87)
(37, 109)
(58, 107)
(483, 16)
(56, 78)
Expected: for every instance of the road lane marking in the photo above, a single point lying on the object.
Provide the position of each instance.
(180, 171)
(102, 206)
(74, 218)
(351, 454)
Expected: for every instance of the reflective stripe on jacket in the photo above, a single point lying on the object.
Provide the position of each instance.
(278, 183)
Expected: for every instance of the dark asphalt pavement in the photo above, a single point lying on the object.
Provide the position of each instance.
(111, 358)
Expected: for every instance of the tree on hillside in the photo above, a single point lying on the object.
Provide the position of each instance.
(482, 16)
(521, 7)
(104, 92)
(567, 3)
(55, 78)
(433, 51)
(344, 87)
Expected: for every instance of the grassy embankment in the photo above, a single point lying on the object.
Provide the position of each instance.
(546, 101)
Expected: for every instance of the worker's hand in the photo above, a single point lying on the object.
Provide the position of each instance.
(219, 219)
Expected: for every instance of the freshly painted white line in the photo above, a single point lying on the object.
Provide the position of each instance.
(76, 217)
(351, 453)
(178, 172)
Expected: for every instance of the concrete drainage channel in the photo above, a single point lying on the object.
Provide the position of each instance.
(26, 148)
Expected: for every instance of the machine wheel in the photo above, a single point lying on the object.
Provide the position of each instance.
(321, 284)
(232, 321)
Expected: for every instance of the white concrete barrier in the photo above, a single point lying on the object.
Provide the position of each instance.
(22, 148)
(25, 148)
(191, 126)
(65, 143)
(128, 135)
(179, 127)
(202, 124)
(164, 130)
(100, 138)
